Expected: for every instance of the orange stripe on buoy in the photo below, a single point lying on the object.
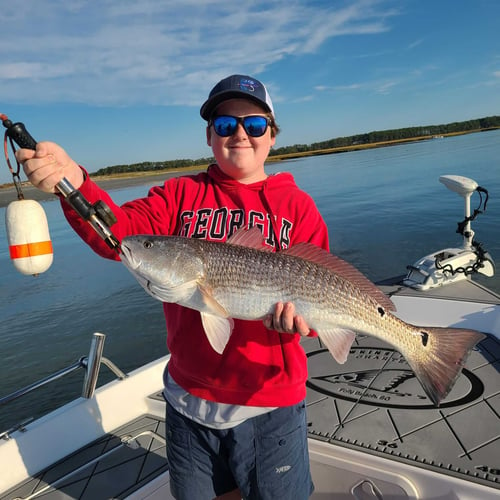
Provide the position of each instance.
(30, 249)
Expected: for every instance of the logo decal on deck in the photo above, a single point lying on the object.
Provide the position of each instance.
(379, 376)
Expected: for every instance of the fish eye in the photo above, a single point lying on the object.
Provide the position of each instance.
(148, 244)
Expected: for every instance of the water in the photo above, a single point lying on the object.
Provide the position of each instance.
(384, 207)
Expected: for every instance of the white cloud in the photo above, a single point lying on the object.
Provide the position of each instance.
(385, 88)
(124, 51)
(378, 87)
(416, 43)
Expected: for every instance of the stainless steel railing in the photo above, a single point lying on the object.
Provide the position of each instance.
(90, 363)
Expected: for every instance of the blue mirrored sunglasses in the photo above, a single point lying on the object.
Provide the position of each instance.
(226, 125)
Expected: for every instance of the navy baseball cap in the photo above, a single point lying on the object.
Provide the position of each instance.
(233, 87)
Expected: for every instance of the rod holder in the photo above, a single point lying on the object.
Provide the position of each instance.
(93, 365)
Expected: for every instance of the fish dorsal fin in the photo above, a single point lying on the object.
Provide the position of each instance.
(251, 238)
(313, 253)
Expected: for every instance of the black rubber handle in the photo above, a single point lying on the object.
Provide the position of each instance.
(18, 133)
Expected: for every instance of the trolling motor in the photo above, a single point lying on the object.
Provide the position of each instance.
(454, 264)
(29, 240)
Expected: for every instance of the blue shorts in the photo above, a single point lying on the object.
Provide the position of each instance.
(266, 457)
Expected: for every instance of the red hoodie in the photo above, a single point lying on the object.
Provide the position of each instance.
(258, 367)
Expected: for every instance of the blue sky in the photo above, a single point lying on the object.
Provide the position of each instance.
(121, 81)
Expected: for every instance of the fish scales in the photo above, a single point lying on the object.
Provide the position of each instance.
(260, 278)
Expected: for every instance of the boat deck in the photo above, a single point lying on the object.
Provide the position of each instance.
(372, 405)
(114, 466)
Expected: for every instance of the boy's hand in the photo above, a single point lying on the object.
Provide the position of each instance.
(48, 165)
(285, 320)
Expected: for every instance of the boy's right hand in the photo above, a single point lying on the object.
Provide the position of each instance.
(48, 165)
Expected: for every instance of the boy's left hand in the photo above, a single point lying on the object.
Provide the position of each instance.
(284, 320)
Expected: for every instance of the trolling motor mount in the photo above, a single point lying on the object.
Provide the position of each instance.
(454, 264)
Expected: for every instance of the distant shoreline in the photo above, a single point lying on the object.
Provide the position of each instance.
(8, 193)
(120, 181)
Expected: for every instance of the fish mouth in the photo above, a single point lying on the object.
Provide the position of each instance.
(128, 259)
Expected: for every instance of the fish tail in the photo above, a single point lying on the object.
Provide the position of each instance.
(445, 351)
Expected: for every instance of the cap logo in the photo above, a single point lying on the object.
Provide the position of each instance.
(248, 85)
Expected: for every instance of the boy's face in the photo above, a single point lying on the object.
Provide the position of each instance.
(240, 155)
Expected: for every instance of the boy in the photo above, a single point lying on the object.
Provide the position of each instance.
(236, 423)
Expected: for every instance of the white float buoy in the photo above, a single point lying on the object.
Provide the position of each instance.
(28, 235)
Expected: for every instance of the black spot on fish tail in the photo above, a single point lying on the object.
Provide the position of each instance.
(381, 311)
(424, 336)
(440, 361)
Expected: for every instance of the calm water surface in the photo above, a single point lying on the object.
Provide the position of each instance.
(384, 208)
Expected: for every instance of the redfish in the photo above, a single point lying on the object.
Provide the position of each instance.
(243, 279)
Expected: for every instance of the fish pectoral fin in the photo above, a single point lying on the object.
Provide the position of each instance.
(211, 303)
(338, 341)
(218, 330)
(179, 293)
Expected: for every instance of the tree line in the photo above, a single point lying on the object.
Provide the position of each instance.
(408, 133)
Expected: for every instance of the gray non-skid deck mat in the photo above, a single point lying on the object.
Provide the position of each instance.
(373, 403)
(113, 466)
